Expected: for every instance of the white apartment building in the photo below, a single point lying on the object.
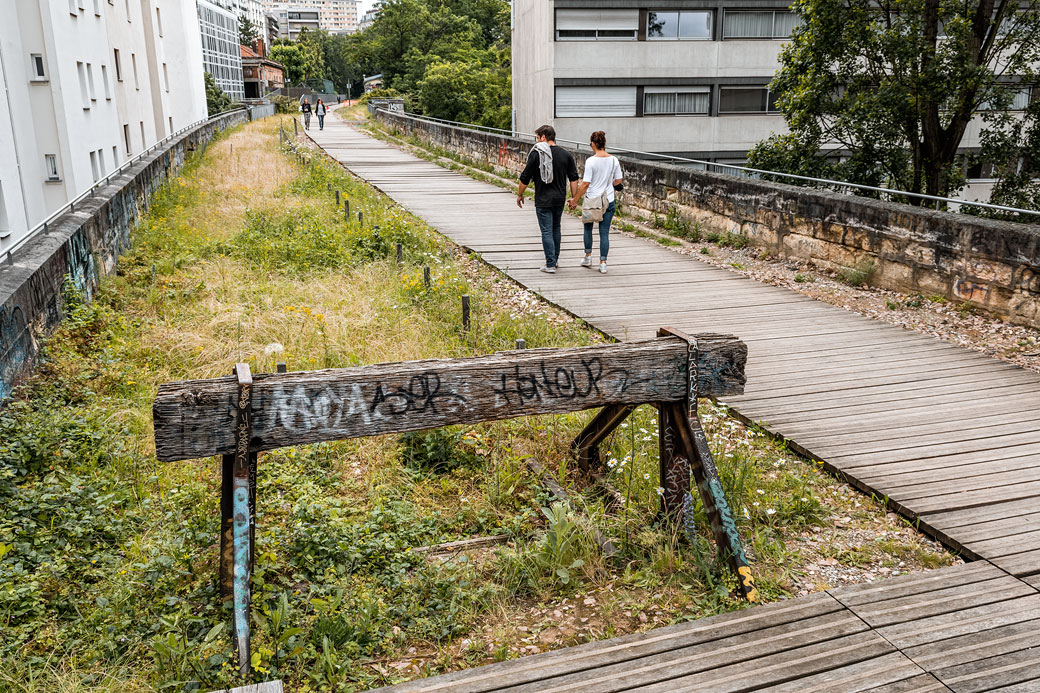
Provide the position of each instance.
(334, 16)
(87, 85)
(681, 77)
(221, 56)
(369, 17)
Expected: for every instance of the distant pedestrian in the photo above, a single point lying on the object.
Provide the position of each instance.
(550, 167)
(601, 178)
(319, 110)
(305, 106)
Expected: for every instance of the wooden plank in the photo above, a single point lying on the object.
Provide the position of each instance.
(266, 687)
(780, 668)
(925, 683)
(1002, 527)
(593, 656)
(915, 583)
(949, 520)
(979, 645)
(962, 622)
(1023, 564)
(192, 417)
(948, 600)
(889, 670)
(1019, 667)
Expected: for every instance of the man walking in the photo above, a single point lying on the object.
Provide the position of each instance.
(550, 167)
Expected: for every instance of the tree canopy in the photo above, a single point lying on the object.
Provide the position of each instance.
(892, 86)
(448, 58)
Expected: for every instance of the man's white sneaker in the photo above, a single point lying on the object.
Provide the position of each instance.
(549, 270)
(602, 268)
(587, 262)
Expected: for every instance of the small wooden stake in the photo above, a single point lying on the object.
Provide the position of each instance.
(361, 218)
(426, 276)
(465, 312)
(400, 254)
(337, 198)
(521, 344)
(346, 209)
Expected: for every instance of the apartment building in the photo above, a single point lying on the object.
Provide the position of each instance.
(220, 47)
(87, 85)
(682, 77)
(333, 16)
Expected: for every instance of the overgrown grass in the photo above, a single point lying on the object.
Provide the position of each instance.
(108, 559)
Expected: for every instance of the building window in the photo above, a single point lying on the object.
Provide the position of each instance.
(97, 8)
(595, 102)
(39, 71)
(126, 137)
(133, 62)
(5, 224)
(166, 77)
(104, 82)
(158, 21)
(1020, 98)
(676, 100)
(118, 64)
(81, 70)
(127, 3)
(93, 166)
(51, 161)
(769, 24)
(101, 162)
(597, 25)
(144, 142)
(73, 9)
(90, 82)
(115, 156)
(690, 26)
(746, 100)
(171, 125)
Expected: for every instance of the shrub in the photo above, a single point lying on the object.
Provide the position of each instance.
(859, 274)
(437, 451)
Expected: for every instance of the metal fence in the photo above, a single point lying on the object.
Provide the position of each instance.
(70, 206)
(733, 169)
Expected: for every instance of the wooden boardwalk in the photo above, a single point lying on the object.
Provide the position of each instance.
(950, 436)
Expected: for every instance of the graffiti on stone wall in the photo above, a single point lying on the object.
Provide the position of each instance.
(15, 346)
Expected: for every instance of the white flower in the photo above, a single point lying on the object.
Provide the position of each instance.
(770, 511)
(643, 430)
(624, 425)
(760, 492)
(660, 491)
(747, 513)
(273, 348)
(646, 476)
(756, 504)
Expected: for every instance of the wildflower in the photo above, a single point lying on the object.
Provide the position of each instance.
(756, 504)
(273, 348)
(770, 511)
(760, 492)
(747, 513)
(660, 491)
(647, 477)
(612, 463)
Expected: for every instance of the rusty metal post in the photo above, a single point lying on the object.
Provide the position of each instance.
(337, 198)
(465, 313)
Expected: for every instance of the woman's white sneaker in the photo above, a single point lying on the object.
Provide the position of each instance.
(587, 262)
(602, 268)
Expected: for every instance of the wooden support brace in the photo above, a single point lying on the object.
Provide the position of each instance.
(586, 444)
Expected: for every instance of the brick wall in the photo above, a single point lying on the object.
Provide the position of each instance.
(995, 265)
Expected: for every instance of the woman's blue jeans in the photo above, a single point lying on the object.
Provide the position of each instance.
(604, 234)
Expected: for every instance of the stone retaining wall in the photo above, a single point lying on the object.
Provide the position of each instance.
(995, 265)
(83, 246)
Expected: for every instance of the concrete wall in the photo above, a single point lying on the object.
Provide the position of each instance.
(83, 245)
(995, 265)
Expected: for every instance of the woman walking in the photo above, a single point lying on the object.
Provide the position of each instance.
(319, 110)
(602, 176)
(305, 106)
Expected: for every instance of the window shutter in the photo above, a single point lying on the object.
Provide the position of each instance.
(595, 102)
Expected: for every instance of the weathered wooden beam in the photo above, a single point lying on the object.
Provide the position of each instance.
(195, 418)
(586, 444)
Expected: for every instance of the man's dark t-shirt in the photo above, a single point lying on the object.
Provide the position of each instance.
(550, 194)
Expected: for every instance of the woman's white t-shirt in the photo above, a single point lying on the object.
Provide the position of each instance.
(600, 174)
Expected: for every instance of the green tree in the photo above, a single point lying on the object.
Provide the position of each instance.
(216, 99)
(894, 86)
(247, 31)
(290, 56)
